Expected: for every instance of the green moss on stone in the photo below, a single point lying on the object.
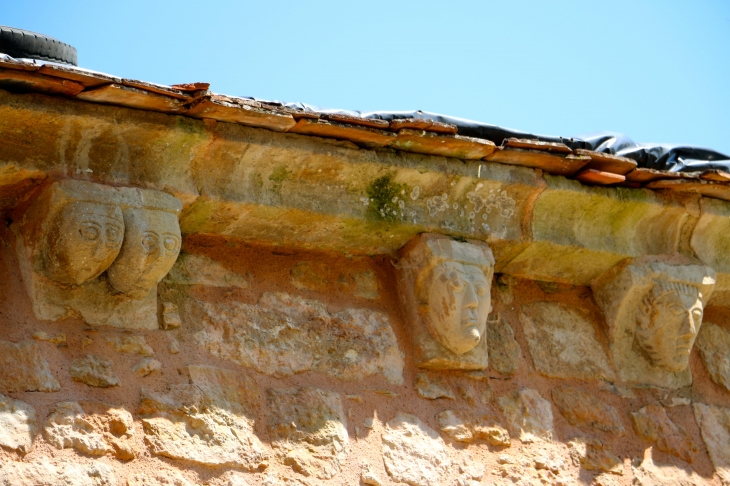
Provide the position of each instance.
(384, 194)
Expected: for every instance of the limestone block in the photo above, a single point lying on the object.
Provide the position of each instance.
(17, 424)
(714, 345)
(130, 344)
(209, 421)
(23, 368)
(173, 346)
(529, 416)
(191, 269)
(283, 335)
(413, 452)
(468, 427)
(714, 425)
(308, 426)
(504, 350)
(94, 371)
(92, 428)
(563, 342)
(650, 473)
(583, 409)
(580, 232)
(62, 472)
(98, 252)
(594, 455)
(653, 309)
(170, 316)
(652, 423)
(433, 389)
(145, 366)
(445, 288)
(710, 243)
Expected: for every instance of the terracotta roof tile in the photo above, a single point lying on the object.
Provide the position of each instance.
(696, 186)
(371, 137)
(428, 143)
(16, 79)
(355, 120)
(551, 163)
(592, 176)
(420, 124)
(239, 110)
(115, 94)
(607, 162)
(524, 143)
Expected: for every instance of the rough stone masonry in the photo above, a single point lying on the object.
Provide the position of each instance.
(215, 298)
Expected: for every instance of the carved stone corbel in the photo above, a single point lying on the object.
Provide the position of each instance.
(445, 288)
(97, 252)
(653, 309)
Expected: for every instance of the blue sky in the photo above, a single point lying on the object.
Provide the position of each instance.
(658, 71)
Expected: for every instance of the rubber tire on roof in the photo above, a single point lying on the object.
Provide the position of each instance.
(25, 44)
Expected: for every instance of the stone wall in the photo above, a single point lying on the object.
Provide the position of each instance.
(289, 366)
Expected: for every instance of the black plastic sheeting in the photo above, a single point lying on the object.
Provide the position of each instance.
(667, 157)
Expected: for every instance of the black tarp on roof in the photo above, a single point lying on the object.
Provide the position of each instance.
(667, 157)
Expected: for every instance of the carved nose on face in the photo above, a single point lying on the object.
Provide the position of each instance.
(689, 326)
(470, 298)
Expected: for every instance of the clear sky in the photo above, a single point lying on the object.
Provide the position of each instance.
(657, 70)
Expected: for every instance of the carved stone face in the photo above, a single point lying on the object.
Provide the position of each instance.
(458, 304)
(83, 241)
(151, 245)
(668, 329)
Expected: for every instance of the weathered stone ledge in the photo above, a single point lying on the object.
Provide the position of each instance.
(288, 189)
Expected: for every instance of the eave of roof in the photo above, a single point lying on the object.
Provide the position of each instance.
(420, 136)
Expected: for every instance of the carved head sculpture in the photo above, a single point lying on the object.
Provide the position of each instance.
(453, 286)
(667, 323)
(83, 240)
(653, 309)
(150, 248)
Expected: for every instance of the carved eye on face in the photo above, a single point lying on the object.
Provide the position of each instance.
(89, 230)
(457, 285)
(677, 309)
(150, 241)
(482, 289)
(113, 235)
(171, 243)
